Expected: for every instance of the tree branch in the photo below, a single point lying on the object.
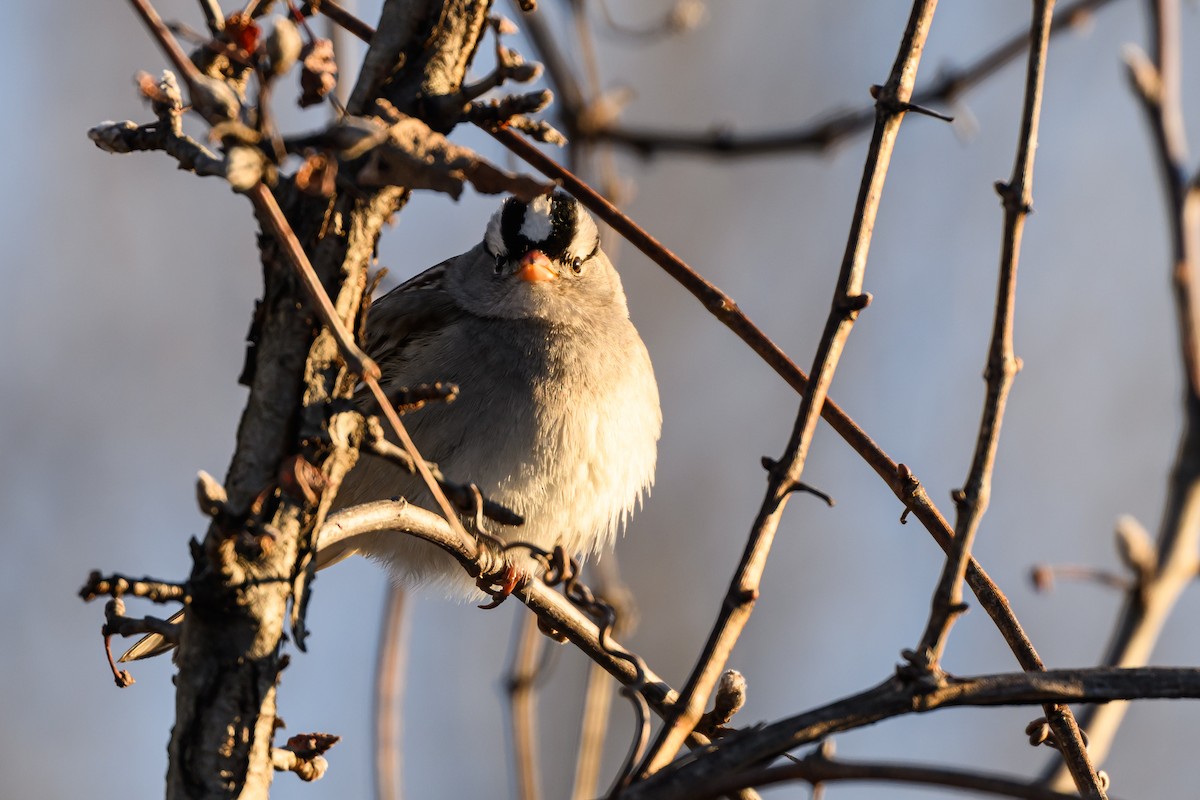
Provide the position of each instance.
(522, 706)
(847, 302)
(390, 663)
(898, 696)
(816, 770)
(554, 610)
(1002, 365)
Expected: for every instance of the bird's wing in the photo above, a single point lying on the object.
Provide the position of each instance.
(416, 307)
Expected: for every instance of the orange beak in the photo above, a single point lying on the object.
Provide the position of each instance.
(535, 267)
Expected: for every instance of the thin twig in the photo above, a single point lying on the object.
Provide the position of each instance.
(1043, 576)
(1157, 85)
(598, 695)
(848, 300)
(597, 707)
(898, 696)
(831, 129)
(273, 219)
(213, 16)
(822, 770)
(1002, 364)
(390, 662)
(522, 703)
(466, 497)
(276, 224)
(166, 41)
(344, 18)
(119, 585)
(567, 92)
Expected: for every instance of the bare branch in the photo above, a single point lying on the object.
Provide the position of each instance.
(1002, 364)
(597, 707)
(816, 770)
(464, 497)
(832, 128)
(898, 696)
(390, 663)
(273, 219)
(156, 591)
(848, 300)
(213, 16)
(554, 610)
(129, 137)
(522, 704)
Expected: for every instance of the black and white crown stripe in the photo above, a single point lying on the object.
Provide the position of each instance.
(555, 224)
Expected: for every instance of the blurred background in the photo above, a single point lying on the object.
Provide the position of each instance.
(129, 291)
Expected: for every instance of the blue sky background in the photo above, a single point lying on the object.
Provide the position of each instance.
(129, 287)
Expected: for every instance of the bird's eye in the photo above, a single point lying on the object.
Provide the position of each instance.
(577, 265)
(499, 264)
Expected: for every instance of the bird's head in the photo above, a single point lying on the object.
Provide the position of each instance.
(541, 259)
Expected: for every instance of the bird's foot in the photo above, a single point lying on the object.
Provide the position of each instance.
(499, 585)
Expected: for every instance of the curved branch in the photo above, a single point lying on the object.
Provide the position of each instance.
(405, 519)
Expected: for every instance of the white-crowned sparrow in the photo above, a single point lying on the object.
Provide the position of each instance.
(557, 415)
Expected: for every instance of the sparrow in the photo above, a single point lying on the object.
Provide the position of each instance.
(557, 415)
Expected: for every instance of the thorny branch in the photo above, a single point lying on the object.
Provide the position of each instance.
(847, 302)
(1002, 366)
(898, 696)
(1161, 573)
